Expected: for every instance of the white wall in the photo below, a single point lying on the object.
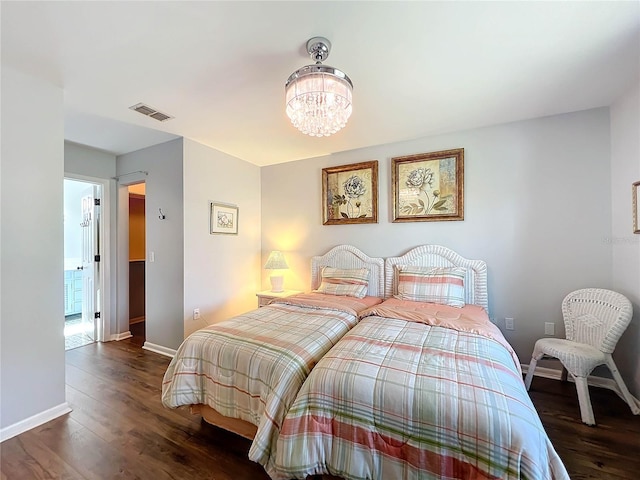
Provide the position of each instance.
(537, 210)
(625, 169)
(221, 272)
(165, 276)
(32, 382)
(89, 162)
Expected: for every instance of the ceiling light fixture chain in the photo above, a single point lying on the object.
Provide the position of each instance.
(319, 97)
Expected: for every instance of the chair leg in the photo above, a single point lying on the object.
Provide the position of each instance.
(586, 412)
(626, 395)
(531, 369)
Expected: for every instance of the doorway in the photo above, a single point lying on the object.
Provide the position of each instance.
(82, 248)
(137, 261)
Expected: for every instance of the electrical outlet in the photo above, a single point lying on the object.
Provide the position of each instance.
(549, 328)
(196, 313)
(509, 323)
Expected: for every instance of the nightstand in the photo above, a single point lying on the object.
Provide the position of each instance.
(267, 295)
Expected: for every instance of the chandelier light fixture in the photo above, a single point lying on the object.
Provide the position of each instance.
(318, 96)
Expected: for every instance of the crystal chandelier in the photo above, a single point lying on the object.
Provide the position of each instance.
(318, 96)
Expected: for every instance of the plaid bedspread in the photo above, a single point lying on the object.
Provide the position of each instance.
(397, 399)
(251, 366)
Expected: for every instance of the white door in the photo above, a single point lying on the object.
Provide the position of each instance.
(90, 260)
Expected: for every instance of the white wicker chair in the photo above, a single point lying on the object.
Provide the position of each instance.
(594, 320)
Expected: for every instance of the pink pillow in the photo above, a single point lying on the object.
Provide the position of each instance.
(443, 285)
(344, 281)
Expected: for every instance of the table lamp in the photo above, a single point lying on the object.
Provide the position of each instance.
(276, 262)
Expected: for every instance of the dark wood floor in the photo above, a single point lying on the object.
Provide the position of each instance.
(610, 450)
(119, 429)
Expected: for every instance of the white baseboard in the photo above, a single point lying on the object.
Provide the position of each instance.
(34, 421)
(121, 336)
(152, 347)
(593, 381)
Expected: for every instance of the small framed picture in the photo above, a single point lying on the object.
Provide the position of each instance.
(350, 194)
(223, 218)
(636, 206)
(428, 187)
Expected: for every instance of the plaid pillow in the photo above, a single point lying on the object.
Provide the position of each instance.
(342, 281)
(432, 284)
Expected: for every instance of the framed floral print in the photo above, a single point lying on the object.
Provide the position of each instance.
(223, 218)
(428, 187)
(635, 196)
(350, 194)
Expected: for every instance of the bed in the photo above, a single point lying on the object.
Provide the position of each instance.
(242, 374)
(419, 390)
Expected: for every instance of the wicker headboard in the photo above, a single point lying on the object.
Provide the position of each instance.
(348, 256)
(475, 281)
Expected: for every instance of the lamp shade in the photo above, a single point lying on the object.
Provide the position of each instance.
(318, 97)
(276, 261)
(319, 100)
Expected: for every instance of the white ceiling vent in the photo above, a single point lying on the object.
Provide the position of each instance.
(150, 112)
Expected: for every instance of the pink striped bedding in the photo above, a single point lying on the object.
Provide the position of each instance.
(417, 392)
(251, 366)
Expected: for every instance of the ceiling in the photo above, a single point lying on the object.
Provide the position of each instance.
(418, 68)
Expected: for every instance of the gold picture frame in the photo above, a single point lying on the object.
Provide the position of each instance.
(428, 187)
(223, 218)
(635, 195)
(350, 194)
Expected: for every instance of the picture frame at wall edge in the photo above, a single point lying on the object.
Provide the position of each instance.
(635, 199)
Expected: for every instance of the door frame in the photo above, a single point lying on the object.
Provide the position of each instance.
(103, 326)
(122, 286)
